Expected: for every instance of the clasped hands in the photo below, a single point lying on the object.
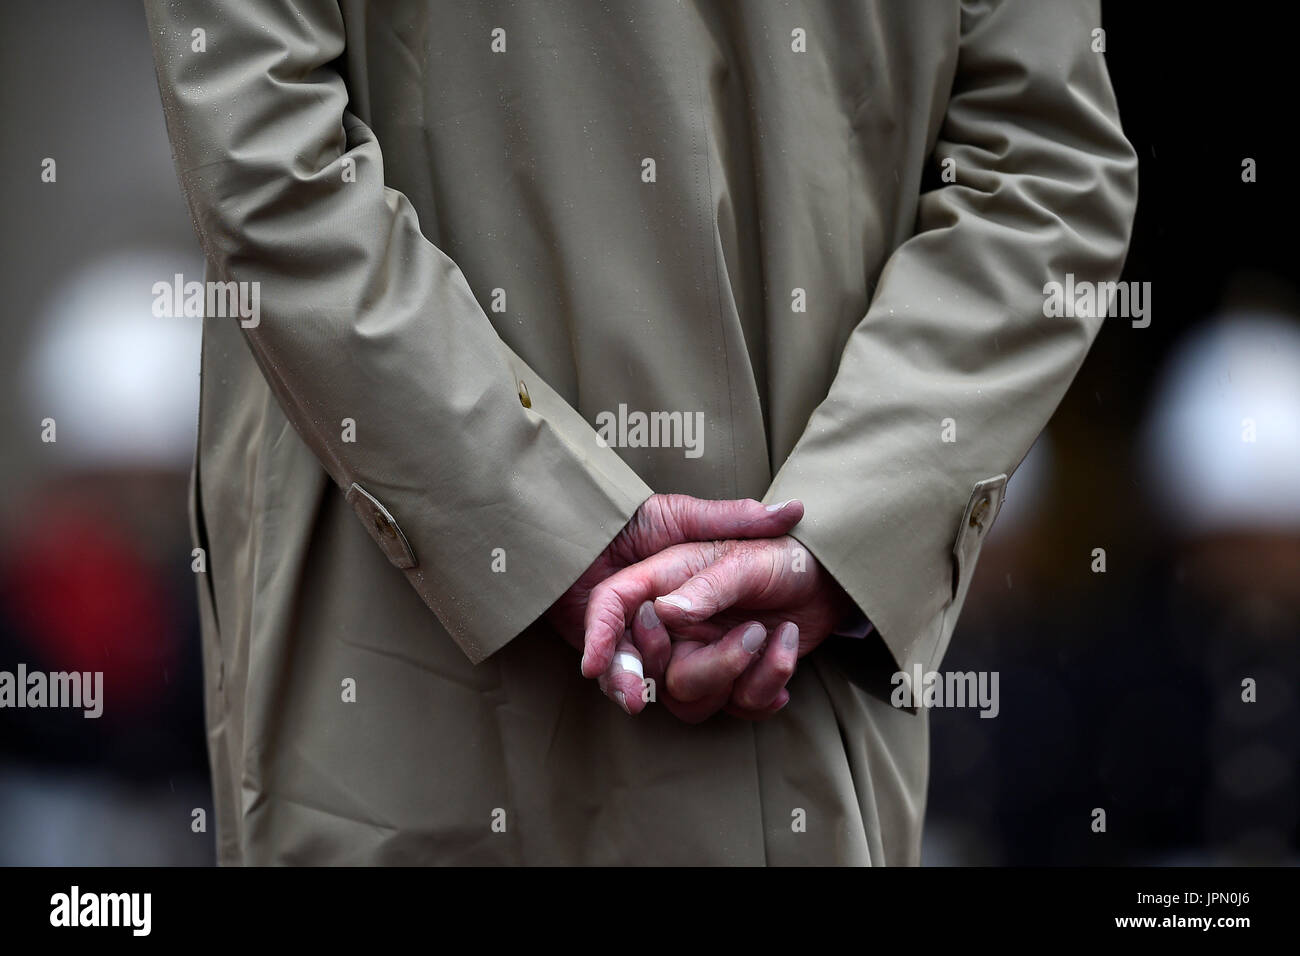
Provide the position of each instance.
(712, 600)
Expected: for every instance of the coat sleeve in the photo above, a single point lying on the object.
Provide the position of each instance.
(449, 466)
(1046, 185)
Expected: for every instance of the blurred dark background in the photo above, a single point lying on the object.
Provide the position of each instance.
(1177, 452)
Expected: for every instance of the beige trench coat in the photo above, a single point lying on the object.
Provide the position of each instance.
(730, 210)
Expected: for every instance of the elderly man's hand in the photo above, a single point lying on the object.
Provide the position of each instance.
(739, 613)
(661, 522)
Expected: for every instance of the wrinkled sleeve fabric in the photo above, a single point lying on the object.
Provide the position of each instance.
(362, 318)
(955, 343)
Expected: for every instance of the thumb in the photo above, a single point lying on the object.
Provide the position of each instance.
(666, 520)
(744, 575)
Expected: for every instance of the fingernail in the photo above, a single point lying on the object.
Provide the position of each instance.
(630, 663)
(789, 635)
(649, 619)
(779, 505)
(753, 637)
(622, 701)
(677, 601)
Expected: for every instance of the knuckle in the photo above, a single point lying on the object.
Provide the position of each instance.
(601, 596)
(669, 519)
(772, 569)
(608, 617)
(747, 700)
(707, 588)
(683, 687)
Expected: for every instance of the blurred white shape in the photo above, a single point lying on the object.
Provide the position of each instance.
(1222, 441)
(121, 384)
